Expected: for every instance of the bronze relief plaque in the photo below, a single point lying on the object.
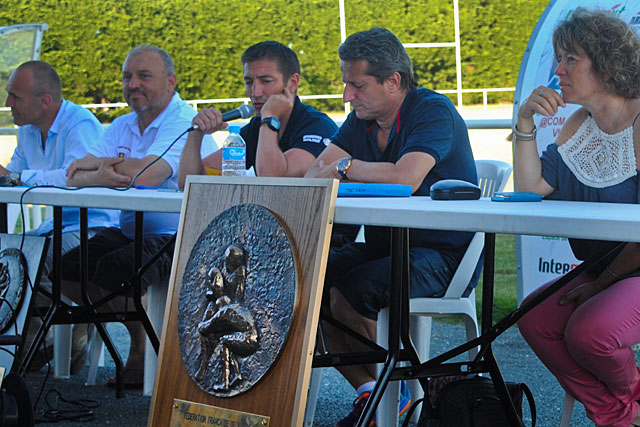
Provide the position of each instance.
(13, 280)
(237, 300)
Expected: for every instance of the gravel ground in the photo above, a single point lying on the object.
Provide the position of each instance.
(515, 359)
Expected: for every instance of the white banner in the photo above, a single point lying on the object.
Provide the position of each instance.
(541, 259)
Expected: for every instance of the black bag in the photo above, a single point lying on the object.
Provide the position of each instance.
(473, 402)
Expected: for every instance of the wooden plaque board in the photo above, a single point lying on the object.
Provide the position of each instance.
(306, 207)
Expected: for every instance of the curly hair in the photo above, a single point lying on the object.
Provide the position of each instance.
(609, 42)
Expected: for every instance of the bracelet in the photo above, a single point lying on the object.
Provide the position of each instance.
(521, 136)
(610, 272)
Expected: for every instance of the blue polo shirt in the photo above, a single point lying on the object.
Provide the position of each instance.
(307, 129)
(428, 123)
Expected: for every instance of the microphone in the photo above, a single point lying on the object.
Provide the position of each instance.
(242, 112)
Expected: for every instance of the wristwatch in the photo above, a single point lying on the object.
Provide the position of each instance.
(10, 180)
(343, 166)
(272, 122)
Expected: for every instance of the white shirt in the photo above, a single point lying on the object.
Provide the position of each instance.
(123, 139)
(73, 131)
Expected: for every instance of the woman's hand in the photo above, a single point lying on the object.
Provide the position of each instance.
(543, 100)
(581, 293)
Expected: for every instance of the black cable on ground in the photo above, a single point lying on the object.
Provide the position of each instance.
(63, 409)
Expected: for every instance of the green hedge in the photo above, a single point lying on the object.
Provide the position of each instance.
(87, 40)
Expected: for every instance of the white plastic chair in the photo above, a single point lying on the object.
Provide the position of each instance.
(13, 213)
(33, 217)
(492, 176)
(157, 297)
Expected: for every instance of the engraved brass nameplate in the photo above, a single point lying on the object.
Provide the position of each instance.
(188, 414)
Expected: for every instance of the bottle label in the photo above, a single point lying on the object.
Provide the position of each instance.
(234, 154)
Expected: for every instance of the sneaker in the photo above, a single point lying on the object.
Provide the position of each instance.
(360, 402)
(405, 398)
(356, 410)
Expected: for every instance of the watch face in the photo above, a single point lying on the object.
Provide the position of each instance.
(343, 164)
(272, 122)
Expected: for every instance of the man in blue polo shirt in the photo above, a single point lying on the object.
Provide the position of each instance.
(284, 137)
(397, 134)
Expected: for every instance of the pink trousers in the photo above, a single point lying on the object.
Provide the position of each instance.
(588, 348)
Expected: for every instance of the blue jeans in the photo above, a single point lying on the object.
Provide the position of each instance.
(363, 279)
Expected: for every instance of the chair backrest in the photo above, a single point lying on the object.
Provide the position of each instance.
(467, 266)
(492, 176)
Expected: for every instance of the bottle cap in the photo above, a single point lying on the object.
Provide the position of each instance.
(234, 129)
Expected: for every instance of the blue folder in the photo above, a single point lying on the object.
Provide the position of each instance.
(357, 189)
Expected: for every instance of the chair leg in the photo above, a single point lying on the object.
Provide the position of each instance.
(471, 327)
(567, 410)
(420, 327)
(155, 307)
(387, 413)
(96, 357)
(62, 350)
(312, 397)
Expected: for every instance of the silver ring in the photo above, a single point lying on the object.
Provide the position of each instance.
(541, 93)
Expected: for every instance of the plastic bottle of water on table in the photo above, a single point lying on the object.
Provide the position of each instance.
(234, 153)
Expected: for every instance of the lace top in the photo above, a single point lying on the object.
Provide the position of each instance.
(598, 159)
(593, 166)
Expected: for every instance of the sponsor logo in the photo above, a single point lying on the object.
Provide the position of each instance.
(553, 81)
(617, 9)
(552, 121)
(326, 141)
(123, 151)
(311, 138)
(561, 239)
(554, 267)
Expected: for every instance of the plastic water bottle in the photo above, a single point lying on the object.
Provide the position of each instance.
(234, 153)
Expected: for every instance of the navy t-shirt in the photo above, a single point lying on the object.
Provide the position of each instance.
(307, 129)
(428, 123)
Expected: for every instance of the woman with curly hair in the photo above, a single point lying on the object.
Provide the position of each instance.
(584, 332)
